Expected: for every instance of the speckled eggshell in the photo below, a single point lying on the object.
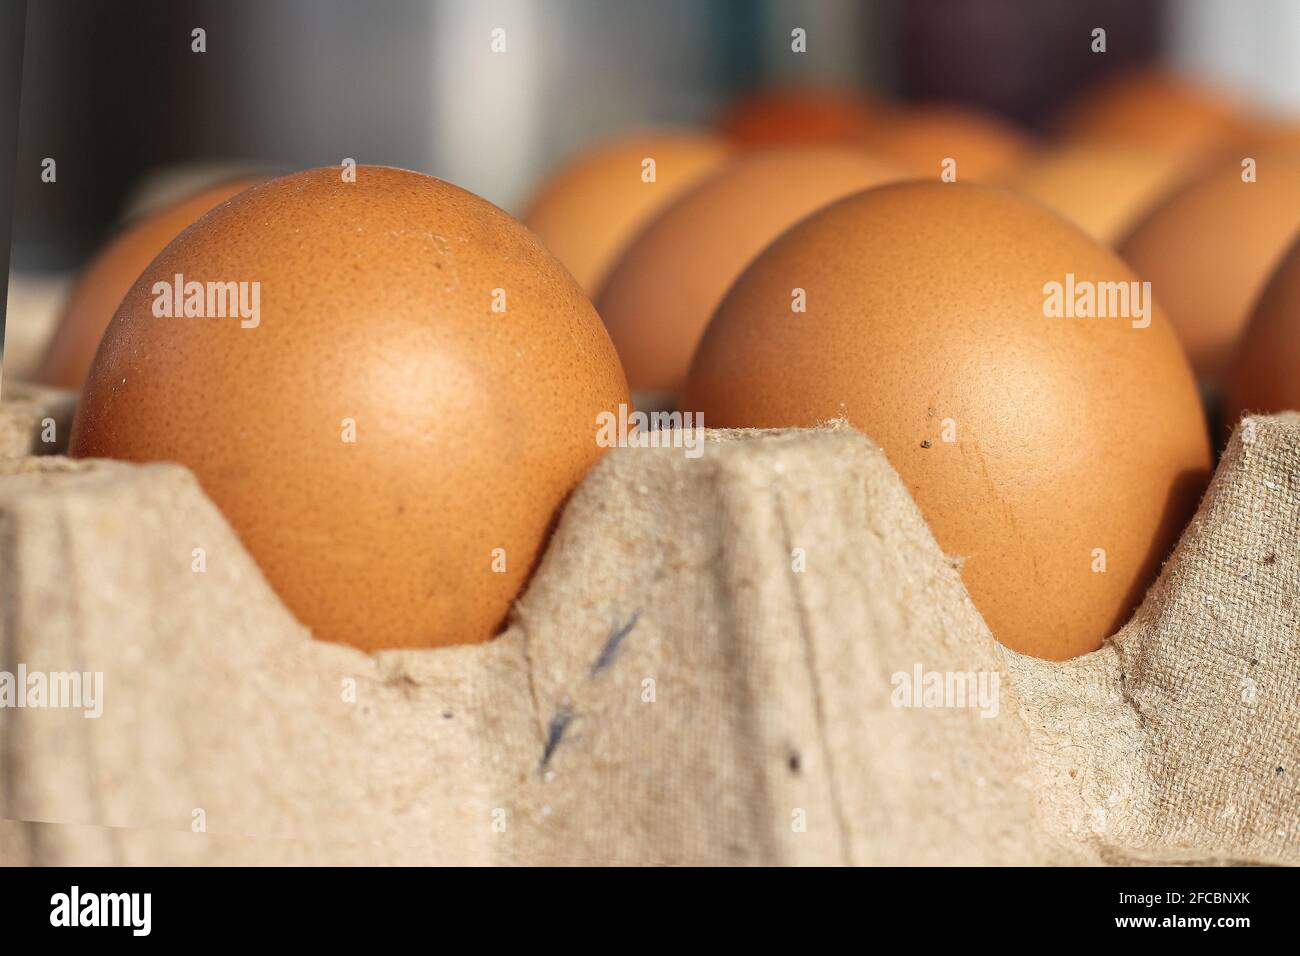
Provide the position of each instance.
(663, 289)
(471, 425)
(108, 277)
(1210, 246)
(1264, 375)
(1027, 441)
(589, 209)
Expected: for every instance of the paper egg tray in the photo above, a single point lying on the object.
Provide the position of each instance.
(671, 688)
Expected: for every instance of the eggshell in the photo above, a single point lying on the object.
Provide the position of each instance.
(663, 289)
(109, 276)
(804, 115)
(920, 138)
(1028, 442)
(591, 206)
(1264, 376)
(1210, 246)
(1156, 109)
(1103, 188)
(469, 425)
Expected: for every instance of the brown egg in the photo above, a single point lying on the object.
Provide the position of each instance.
(1210, 246)
(921, 138)
(1156, 109)
(1103, 188)
(1264, 375)
(588, 210)
(394, 426)
(1039, 449)
(109, 276)
(800, 115)
(1273, 131)
(660, 294)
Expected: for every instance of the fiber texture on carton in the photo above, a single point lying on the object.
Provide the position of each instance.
(704, 669)
(35, 420)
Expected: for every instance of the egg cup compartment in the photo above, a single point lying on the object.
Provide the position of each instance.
(707, 668)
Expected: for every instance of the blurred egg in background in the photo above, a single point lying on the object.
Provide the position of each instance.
(801, 115)
(1103, 188)
(1158, 109)
(107, 278)
(660, 294)
(976, 145)
(1208, 248)
(1264, 375)
(588, 209)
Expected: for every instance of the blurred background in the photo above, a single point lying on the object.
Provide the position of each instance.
(134, 117)
(114, 93)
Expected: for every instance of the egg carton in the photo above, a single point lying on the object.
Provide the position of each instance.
(713, 664)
